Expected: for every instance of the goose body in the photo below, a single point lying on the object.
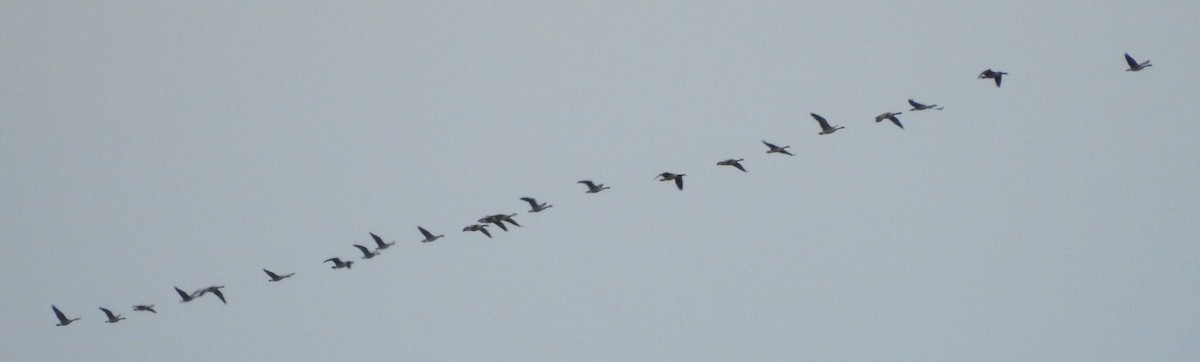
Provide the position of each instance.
(916, 106)
(144, 308)
(891, 116)
(338, 263)
(678, 178)
(480, 228)
(593, 187)
(379, 244)
(1134, 65)
(429, 237)
(736, 163)
(534, 206)
(776, 149)
(825, 127)
(62, 318)
(112, 318)
(367, 253)
(993, 75)
(277, 277)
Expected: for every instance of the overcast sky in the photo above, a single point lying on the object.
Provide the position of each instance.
(149, 145)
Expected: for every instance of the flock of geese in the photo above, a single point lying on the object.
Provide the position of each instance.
(502, 221)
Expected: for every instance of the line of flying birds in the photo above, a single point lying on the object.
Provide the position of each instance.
(500, 220)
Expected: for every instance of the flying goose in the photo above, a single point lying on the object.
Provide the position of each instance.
(993, 75)
(777, 149)
(921, 107)
(338, 263)
(494, 219)
(891, 116)
(367, 253)
(380, 245)
(534, 206)
(429, 237)
(144, 308)
(214, 290)
(185, 296)
(480, 228)
(825, 128)
(62, 318)
(277, 277)
(1134, 65)
(112, 318)
(593, 188)
(732, 162)
(667, 176)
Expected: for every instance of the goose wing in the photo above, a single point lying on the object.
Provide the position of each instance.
(531, 201)
(62, 318)
(739, 166)
(108, 313)
(366, 252)
(182, 294)
(1129, 59)
(270, 274)
(896, 121)
(378, 240)
(219, 294)
(821, 120)
(589, 184)
(425, 232)
(915, 104)
(679, 182)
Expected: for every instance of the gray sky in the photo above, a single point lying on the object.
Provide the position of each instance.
(150, 145)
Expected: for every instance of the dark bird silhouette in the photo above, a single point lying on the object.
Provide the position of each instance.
(480, 228)
(667, 176)
(277, 277)
(429, 237)
(777, 149)
(498, 220)
(993, 75)
(62, 318)
(112, 318)
(379, 244)
(216, 290)
(338, 263)
(891, 117)
(144, 308)
(593, 188)
(534, 206)
(1134, 65)
(732, 162)
(185, 296)
(825, 127)
(921, 107)
(367, 253)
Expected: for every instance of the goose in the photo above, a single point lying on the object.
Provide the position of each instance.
(732, 162)
(62, 318)
(429, 237)
(367, 253)
(534, 206)
(593, 188)
(380, 245)
(144, 308)
(185, 296)
(825, 128)
(494, 219)
(921, 107)
(993, 75)
(338, 263)
(506, 218)
(480, 228)
(667, 176)
(112, 318)
(1134, 65)
(214, 290)
(777, 149)
(277, 277)
(891, 116)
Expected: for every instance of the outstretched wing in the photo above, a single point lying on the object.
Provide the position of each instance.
(915, 104)
(1129, 59)
(896, 121)
(679, 182)
(531, 201)
(588, 183)
(364, 249)
(821, 120)
(378, 240)
(107, 313)
(270, 274)
(58, 313)
(425, 232)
